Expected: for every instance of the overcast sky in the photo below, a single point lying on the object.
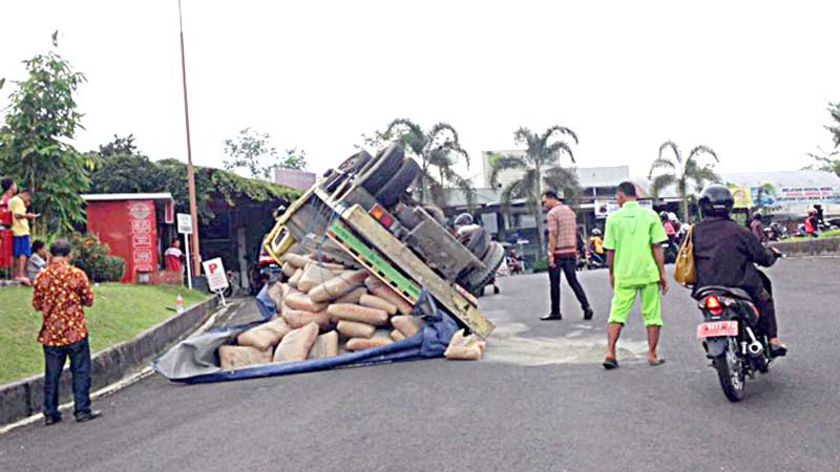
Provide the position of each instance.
(750, 79)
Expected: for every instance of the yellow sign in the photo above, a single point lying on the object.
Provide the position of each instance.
(743, 197)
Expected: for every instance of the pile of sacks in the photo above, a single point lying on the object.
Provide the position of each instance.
(326, 309)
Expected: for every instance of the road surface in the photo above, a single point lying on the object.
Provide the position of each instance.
(540, 401)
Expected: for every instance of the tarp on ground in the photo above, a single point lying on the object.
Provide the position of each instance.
(194, 360)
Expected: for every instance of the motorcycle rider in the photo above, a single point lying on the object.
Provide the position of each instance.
(725, 253)
(596, 246)
(757, 228)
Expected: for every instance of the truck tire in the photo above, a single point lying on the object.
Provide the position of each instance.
(477, 241)
(476, 280)
(350, 166)
(390, 194)
(380, 170)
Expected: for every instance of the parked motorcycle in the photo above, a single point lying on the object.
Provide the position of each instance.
(728, 332)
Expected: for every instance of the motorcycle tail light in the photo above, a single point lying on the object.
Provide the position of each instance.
(714, 306)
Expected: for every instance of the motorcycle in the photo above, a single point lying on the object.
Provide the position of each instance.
(728, 333)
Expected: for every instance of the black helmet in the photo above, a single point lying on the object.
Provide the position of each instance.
(756, 216)
(663, 215)
(716, 200)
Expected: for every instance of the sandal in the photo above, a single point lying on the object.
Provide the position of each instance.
(610, 364)
(657, 362)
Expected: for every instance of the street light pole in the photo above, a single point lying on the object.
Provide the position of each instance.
(196, 259)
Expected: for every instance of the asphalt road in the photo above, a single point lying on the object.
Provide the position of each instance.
(540, 401)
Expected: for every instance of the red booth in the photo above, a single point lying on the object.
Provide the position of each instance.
(132, 224)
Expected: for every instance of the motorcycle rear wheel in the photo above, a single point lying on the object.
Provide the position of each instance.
(731, 373)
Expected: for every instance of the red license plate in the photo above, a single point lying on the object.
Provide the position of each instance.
(717, 329)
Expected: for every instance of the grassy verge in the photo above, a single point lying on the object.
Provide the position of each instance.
(120, 313)
(834, 233)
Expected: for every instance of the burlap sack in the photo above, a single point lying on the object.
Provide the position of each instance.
(237, 357)
(353, 296)
(301, 301)
(312, 276)
(397, 335)
(407, 325)
(296, 345)
(466, 348)
(353, 329)
(338, 287)
(297, 260)
(265, 336)
(362, 314)
(382, 338)
(300, 318)
(325, 346)
(376, 287)
(373, 301)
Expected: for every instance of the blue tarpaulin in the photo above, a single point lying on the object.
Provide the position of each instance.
(194, 360)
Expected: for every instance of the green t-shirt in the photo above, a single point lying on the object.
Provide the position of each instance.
(630, 233)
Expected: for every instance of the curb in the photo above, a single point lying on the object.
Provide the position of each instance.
(24, 398)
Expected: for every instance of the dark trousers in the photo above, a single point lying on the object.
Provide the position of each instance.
(568, 266)
(80, 367)
(762, 294)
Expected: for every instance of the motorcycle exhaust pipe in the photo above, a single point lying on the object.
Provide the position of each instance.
(755, 349)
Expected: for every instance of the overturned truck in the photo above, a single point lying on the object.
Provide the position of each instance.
(360, 222)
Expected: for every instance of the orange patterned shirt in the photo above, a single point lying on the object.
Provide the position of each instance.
(61, 292)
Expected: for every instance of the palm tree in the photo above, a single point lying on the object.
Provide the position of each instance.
(541, 169)
(682, 172)
(438, 150)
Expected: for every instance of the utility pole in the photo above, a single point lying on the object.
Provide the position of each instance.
(196, 259)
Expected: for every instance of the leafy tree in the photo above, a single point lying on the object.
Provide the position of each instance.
(828, 161)
(438, 150)
(252, 151)
(541, 169)
(42, 119)
(834, 110)
(294, 159)
(682, 172)
(118, 147)
(126, 173)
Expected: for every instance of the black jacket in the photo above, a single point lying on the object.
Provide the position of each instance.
(724, 253)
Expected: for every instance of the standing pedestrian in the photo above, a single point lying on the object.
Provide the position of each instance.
(19, 207)
(174, 257)
(562, 254)
(61, 293)
(757, 228)
(637, 266)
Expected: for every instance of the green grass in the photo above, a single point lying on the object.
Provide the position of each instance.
(119, 313)
(834, 233)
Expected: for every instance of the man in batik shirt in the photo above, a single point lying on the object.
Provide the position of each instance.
(61, 293)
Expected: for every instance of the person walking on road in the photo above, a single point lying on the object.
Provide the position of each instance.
(633, 240)
(61, 292)
(562, 254)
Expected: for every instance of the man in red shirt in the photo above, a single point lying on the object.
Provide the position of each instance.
(562, 254)
(61, 293)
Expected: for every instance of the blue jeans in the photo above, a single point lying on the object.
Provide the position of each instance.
(80, 367)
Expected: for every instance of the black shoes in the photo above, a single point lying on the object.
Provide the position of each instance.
(51, 420)
(552, 317)
(85, 417)
(588, 313)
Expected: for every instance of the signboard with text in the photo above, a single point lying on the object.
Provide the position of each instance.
(185, 223)
(216, 277)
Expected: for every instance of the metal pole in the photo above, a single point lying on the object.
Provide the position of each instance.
(196, 259)
(189, 270)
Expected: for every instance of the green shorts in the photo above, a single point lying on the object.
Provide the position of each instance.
(625, 297)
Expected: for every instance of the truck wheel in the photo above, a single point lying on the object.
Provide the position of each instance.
(390, 194)
(478, 279)
(477, 241)
(378, 171)
(350, 166)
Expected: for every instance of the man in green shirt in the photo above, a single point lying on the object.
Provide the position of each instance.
(633, 241)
